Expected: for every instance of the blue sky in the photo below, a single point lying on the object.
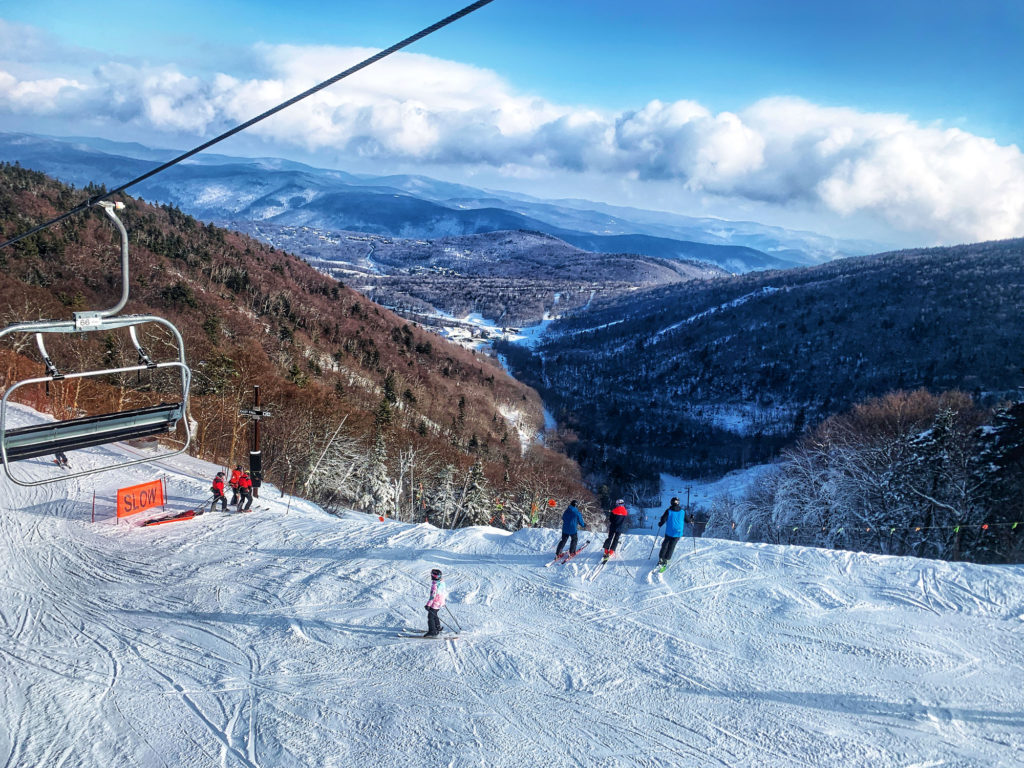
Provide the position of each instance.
(700, 107)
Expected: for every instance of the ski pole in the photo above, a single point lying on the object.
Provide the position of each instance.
(655, 542)
(453, 617)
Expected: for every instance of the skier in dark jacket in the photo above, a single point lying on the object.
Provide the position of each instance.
(618, 520)
(672, 519)
(572, 520)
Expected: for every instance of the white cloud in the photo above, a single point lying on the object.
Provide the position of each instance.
(40, 97)
(940, 184)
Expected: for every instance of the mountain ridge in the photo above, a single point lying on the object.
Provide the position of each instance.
(220, 188)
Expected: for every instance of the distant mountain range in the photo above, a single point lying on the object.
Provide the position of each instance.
(511, 277)
(227, 190)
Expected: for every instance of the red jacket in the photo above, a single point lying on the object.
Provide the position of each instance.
(235, 474)
(620, 510)
(218, 486)
(245, 481)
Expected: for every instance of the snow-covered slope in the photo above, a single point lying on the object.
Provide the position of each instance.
(269, 639)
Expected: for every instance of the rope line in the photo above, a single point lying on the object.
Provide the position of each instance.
(249, 123)
(891, 528)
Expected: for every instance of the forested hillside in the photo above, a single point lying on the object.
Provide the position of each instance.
(709, 375)
(368, 409)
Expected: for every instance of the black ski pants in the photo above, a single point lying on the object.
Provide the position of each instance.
(616, 526)
(246, 499)
(572, 538)
(433, 622)
(612, 542)
(668, 546)
(223, 503)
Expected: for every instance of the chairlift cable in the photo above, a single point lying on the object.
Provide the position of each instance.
(249, 123)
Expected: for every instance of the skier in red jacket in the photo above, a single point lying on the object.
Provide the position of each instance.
(245, 492)
(616, 525)
(218, 493)
(235, 474)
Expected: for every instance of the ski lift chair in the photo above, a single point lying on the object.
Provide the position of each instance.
(88, 431)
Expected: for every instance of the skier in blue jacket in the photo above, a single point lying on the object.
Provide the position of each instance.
(571, 521)
(673, 520)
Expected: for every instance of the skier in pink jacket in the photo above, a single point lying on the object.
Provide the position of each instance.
(438, 593)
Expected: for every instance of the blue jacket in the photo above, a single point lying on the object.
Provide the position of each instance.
(672, 519)
(570, 519)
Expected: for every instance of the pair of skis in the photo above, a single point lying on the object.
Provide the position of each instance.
(565, 557)
(416, 635)
(600, 567)
(250, 509)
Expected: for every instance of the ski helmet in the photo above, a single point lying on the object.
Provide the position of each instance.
(620, 501)
(435, 574)
(675, 499)
(220, 474)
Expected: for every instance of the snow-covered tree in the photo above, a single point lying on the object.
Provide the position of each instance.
(335, 465)
(940, 477)
(475, 506)
(443, 496)
(1000, 473)
(377, 492)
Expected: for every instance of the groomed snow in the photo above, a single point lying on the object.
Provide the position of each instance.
(269, 639)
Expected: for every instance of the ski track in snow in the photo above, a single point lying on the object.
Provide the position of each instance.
(271, 640)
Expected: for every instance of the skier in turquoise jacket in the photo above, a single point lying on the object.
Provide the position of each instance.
(674, 520)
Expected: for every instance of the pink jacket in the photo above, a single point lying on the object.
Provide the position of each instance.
(438, 594)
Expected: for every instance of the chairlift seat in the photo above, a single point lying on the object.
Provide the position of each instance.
(88, 431)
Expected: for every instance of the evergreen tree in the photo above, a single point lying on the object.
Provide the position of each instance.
(383, 416)
(1000, 473)
(390, 393)
(945, 484)
(476, 500)
(444, 496)
(377, 492)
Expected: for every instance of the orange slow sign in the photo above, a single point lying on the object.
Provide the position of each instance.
(139, 497)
